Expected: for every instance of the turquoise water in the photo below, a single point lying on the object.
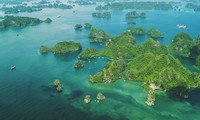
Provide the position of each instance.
(27, 93)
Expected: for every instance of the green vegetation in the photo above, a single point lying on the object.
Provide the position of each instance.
(124, 46)
(100, 7)
(154, 33)
(96, 14)
(88, 25)
(139, 5)
(120, 46)
(198, 61)
(137, 31)
(181, 44)
(97, 36)
(152, 46)
(149, 63)
(78, 27)
(82, 2)
(193, 6)
(58, 85)
(110, 73)
(79, 64)
(65, 47)
(132, 14)
(88, 53)
(101, 15)
(44, 49)
(62, 47)
(39, 7)
(163, 70)
(17, 21)
(106, 15)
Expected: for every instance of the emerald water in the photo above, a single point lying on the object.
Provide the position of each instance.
(27, 93)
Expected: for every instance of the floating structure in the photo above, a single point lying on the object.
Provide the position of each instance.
(13, 67)
(181, 26)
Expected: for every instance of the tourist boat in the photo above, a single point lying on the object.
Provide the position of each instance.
(181, 26)
(13, 67)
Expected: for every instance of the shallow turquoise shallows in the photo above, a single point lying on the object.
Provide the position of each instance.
(26, 93)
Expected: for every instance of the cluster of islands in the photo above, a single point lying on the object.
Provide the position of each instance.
(79, 26)
(155, 65)
(14, 7)
(18, 22)
(34, 7)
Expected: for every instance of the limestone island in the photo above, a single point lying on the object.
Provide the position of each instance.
(101, 15)
(137, 31)
(19, 22)
(44, 49)
(87, 99)
(96, 14)
(62, 48)
(98, 36)
(78, 27)
(100, 97)
(88, 25)
(58, 85)
(139, 5)
(79, 64)
(184, 46)
(149, 63)
(88, 53)
(154, 33)
(34, 7)
(132, 14)
(124, 46)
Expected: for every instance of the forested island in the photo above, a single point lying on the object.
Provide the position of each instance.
(35, 7)
(18, 22)
(134, 14)
(88, 25)
(150, 63)
(78, 27)
(193, 6)
(82, 2)
(136, 5)
(183, 45)
(137, 30)
(79, 64)
(154, 33)
(101, 15)
(61, 48)
(98, 36)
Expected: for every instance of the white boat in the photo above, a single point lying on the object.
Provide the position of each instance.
(13, 67)
(181, 26)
